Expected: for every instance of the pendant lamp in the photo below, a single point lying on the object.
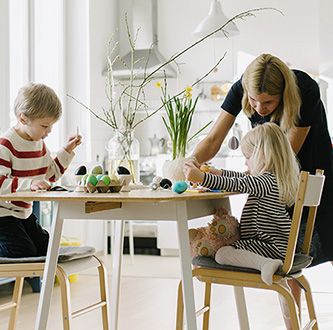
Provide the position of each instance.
(213, 21)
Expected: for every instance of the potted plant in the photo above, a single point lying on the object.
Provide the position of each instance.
(179, 114)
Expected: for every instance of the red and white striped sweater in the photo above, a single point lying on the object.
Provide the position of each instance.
(22, 161)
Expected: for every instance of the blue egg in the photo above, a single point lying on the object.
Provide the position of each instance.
(179, 187)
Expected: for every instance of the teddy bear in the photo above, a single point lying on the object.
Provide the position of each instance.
(222, 230)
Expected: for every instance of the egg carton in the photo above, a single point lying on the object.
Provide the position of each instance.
(101, 187)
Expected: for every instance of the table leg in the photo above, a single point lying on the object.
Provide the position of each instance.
(117, 255)
(186, 267)
(49, 270)
(241, 308)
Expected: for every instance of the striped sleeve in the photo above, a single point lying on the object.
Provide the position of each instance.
(259, 186)
(58, 165)
(232, 174)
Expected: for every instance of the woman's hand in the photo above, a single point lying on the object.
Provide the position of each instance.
(39, 185)
(73, 142)
(192, 173)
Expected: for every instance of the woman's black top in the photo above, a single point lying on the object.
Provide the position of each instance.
(316, 151)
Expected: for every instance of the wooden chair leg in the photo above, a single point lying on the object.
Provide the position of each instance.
(65, 298)
(208, 288)
(17, 294)
(104, 295)
(309, 301)
(292, 306)
(180, 308)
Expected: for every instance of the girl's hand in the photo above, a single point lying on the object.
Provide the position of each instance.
(215, 171)
(39, 185)
(192, 173)
(73, 142)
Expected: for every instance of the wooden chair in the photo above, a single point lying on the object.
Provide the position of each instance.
(208, 271)
(32, 267)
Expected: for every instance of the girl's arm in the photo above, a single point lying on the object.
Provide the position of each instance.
(211, 144)
(258, 185)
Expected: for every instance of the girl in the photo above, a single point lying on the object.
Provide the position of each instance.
(271, 183)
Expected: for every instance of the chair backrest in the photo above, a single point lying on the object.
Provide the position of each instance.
(309, 192)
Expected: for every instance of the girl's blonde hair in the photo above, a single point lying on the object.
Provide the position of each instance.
(37, 101)
(268, 74)
(270, 151)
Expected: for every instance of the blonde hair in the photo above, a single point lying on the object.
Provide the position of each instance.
(270, 151)
(37, 101)
(268, 74)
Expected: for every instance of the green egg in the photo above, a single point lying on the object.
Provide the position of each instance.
(97, 170)
(106, 179)
(92, 179)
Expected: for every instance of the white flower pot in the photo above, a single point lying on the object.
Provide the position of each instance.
(173, 169)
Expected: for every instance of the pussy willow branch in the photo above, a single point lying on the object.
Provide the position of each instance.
(181, 92)
(241, 15)
(91, 111)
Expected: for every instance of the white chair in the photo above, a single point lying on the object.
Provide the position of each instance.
(71, 260)
(209, 272)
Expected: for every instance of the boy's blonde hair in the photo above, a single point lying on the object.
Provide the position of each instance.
(268, 74)
(270, 151)
(37, 101)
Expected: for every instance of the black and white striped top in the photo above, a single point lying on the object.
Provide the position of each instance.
(265, 222)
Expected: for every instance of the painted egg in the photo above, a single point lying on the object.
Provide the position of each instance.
(122, 170)
(82, 170)
(233, 143)
(157, 180)
(106, 179)
(97, 170)
(165, 183)
(92, 179)
(179, 187)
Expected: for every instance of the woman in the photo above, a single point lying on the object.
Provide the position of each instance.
(270, 91)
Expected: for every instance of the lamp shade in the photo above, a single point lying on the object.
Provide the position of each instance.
(213, 21)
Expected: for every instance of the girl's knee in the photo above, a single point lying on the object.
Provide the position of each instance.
(222, 252)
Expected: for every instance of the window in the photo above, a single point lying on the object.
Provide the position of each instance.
(35, 46)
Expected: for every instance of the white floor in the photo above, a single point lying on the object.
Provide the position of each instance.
(148, 299)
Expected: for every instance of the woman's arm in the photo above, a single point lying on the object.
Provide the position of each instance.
(211, 144)
(297, 137)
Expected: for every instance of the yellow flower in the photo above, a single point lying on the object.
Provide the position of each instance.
(188, 95)
(158, 84)
(188, 89)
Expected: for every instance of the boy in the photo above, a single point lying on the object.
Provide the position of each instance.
(26, 165)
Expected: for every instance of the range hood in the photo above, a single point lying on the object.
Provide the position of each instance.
(142, 15)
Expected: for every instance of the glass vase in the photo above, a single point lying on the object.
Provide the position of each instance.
(124, 150)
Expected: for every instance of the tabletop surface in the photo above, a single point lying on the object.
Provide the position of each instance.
(141, 195)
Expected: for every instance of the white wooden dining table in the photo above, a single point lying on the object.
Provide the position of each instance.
(160, 205)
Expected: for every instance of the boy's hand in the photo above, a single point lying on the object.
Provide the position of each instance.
(73, 142)
(39, 185)
(192, 173)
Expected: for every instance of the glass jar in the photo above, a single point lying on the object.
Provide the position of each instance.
(124, 150)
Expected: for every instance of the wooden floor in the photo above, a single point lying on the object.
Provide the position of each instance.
(148, 299)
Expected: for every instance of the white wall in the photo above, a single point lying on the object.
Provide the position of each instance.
(297, 37)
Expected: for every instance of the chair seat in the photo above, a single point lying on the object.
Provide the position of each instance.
(300, 262)
(66, 254)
